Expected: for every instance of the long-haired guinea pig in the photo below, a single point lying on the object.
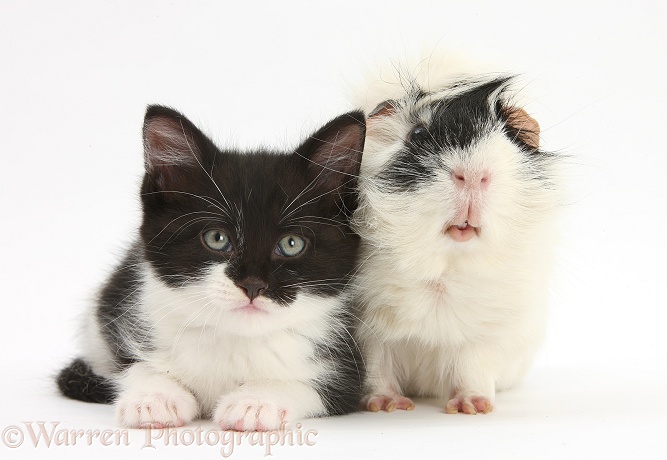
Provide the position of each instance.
(457, 211)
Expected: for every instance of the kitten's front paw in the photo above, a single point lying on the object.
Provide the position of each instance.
(156, 410)
(249, 413)
(389, 403)
(469, 405)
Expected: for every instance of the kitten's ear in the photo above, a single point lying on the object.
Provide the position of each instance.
(173, 146)
(334, 152)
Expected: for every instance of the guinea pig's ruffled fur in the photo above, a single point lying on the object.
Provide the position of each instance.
(458, 213)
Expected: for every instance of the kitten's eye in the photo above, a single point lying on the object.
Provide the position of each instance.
(418, 133)
(290, 246)
(217, 240)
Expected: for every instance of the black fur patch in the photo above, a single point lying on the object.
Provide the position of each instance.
(342, 391)
(78, 381)
(456, 123)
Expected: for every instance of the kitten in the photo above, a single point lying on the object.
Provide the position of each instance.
(232, 303)
(457, 215)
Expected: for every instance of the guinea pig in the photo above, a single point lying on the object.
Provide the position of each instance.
(458, 214)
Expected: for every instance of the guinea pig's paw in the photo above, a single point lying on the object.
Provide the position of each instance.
(249, 413)
(135, 409)
(389, 403)
(469, 405)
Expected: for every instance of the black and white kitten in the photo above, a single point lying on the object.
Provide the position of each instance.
(232, 303)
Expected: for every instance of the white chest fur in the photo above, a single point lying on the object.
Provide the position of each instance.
(194, 344)
(465, 303)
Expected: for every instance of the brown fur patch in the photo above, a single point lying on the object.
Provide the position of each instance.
(383, 109)
(528, 129)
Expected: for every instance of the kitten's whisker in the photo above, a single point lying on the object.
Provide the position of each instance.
(316, 219)
(305, 190)
(185, 326)
(184, 226)
(312, 200)
(213, 202)
(203, 328)
(152, 319)
(196, 157)
(180, 217)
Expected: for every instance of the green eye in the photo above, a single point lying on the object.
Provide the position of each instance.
(217, 240)
(290, 246)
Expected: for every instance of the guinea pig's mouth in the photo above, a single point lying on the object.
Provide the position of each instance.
(462, 232)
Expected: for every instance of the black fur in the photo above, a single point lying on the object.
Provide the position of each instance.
(456, 123)
(342, 392)
(78, 381)
(459, 122)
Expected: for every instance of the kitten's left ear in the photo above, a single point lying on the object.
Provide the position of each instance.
(334, 152)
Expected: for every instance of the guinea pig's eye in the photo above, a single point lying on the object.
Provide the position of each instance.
(418, 133)
(290, 246)
(217, 240)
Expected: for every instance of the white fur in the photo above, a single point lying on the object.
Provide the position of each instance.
(440, 317)
(432, 69)
(97, 352)
(151, 399)
(207, 356)
(265, 405)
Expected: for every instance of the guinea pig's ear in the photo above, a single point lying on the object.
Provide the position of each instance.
(522, 127)
(383, 109)
(172, 147)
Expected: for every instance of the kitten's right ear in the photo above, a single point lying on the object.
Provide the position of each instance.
(172, 146)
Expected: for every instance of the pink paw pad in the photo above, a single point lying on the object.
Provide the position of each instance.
(389, 403)
(469, 405)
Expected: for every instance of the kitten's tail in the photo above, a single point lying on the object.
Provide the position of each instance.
(78, 381)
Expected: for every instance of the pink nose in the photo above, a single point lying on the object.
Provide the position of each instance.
(464, 179)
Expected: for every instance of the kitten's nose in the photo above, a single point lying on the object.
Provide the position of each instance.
(252, 286)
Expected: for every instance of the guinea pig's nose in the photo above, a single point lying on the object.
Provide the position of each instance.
(466, 179)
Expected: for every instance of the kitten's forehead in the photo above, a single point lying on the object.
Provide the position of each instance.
(263, 186)
(244, 170)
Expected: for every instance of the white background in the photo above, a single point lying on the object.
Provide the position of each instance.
(75, 78)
